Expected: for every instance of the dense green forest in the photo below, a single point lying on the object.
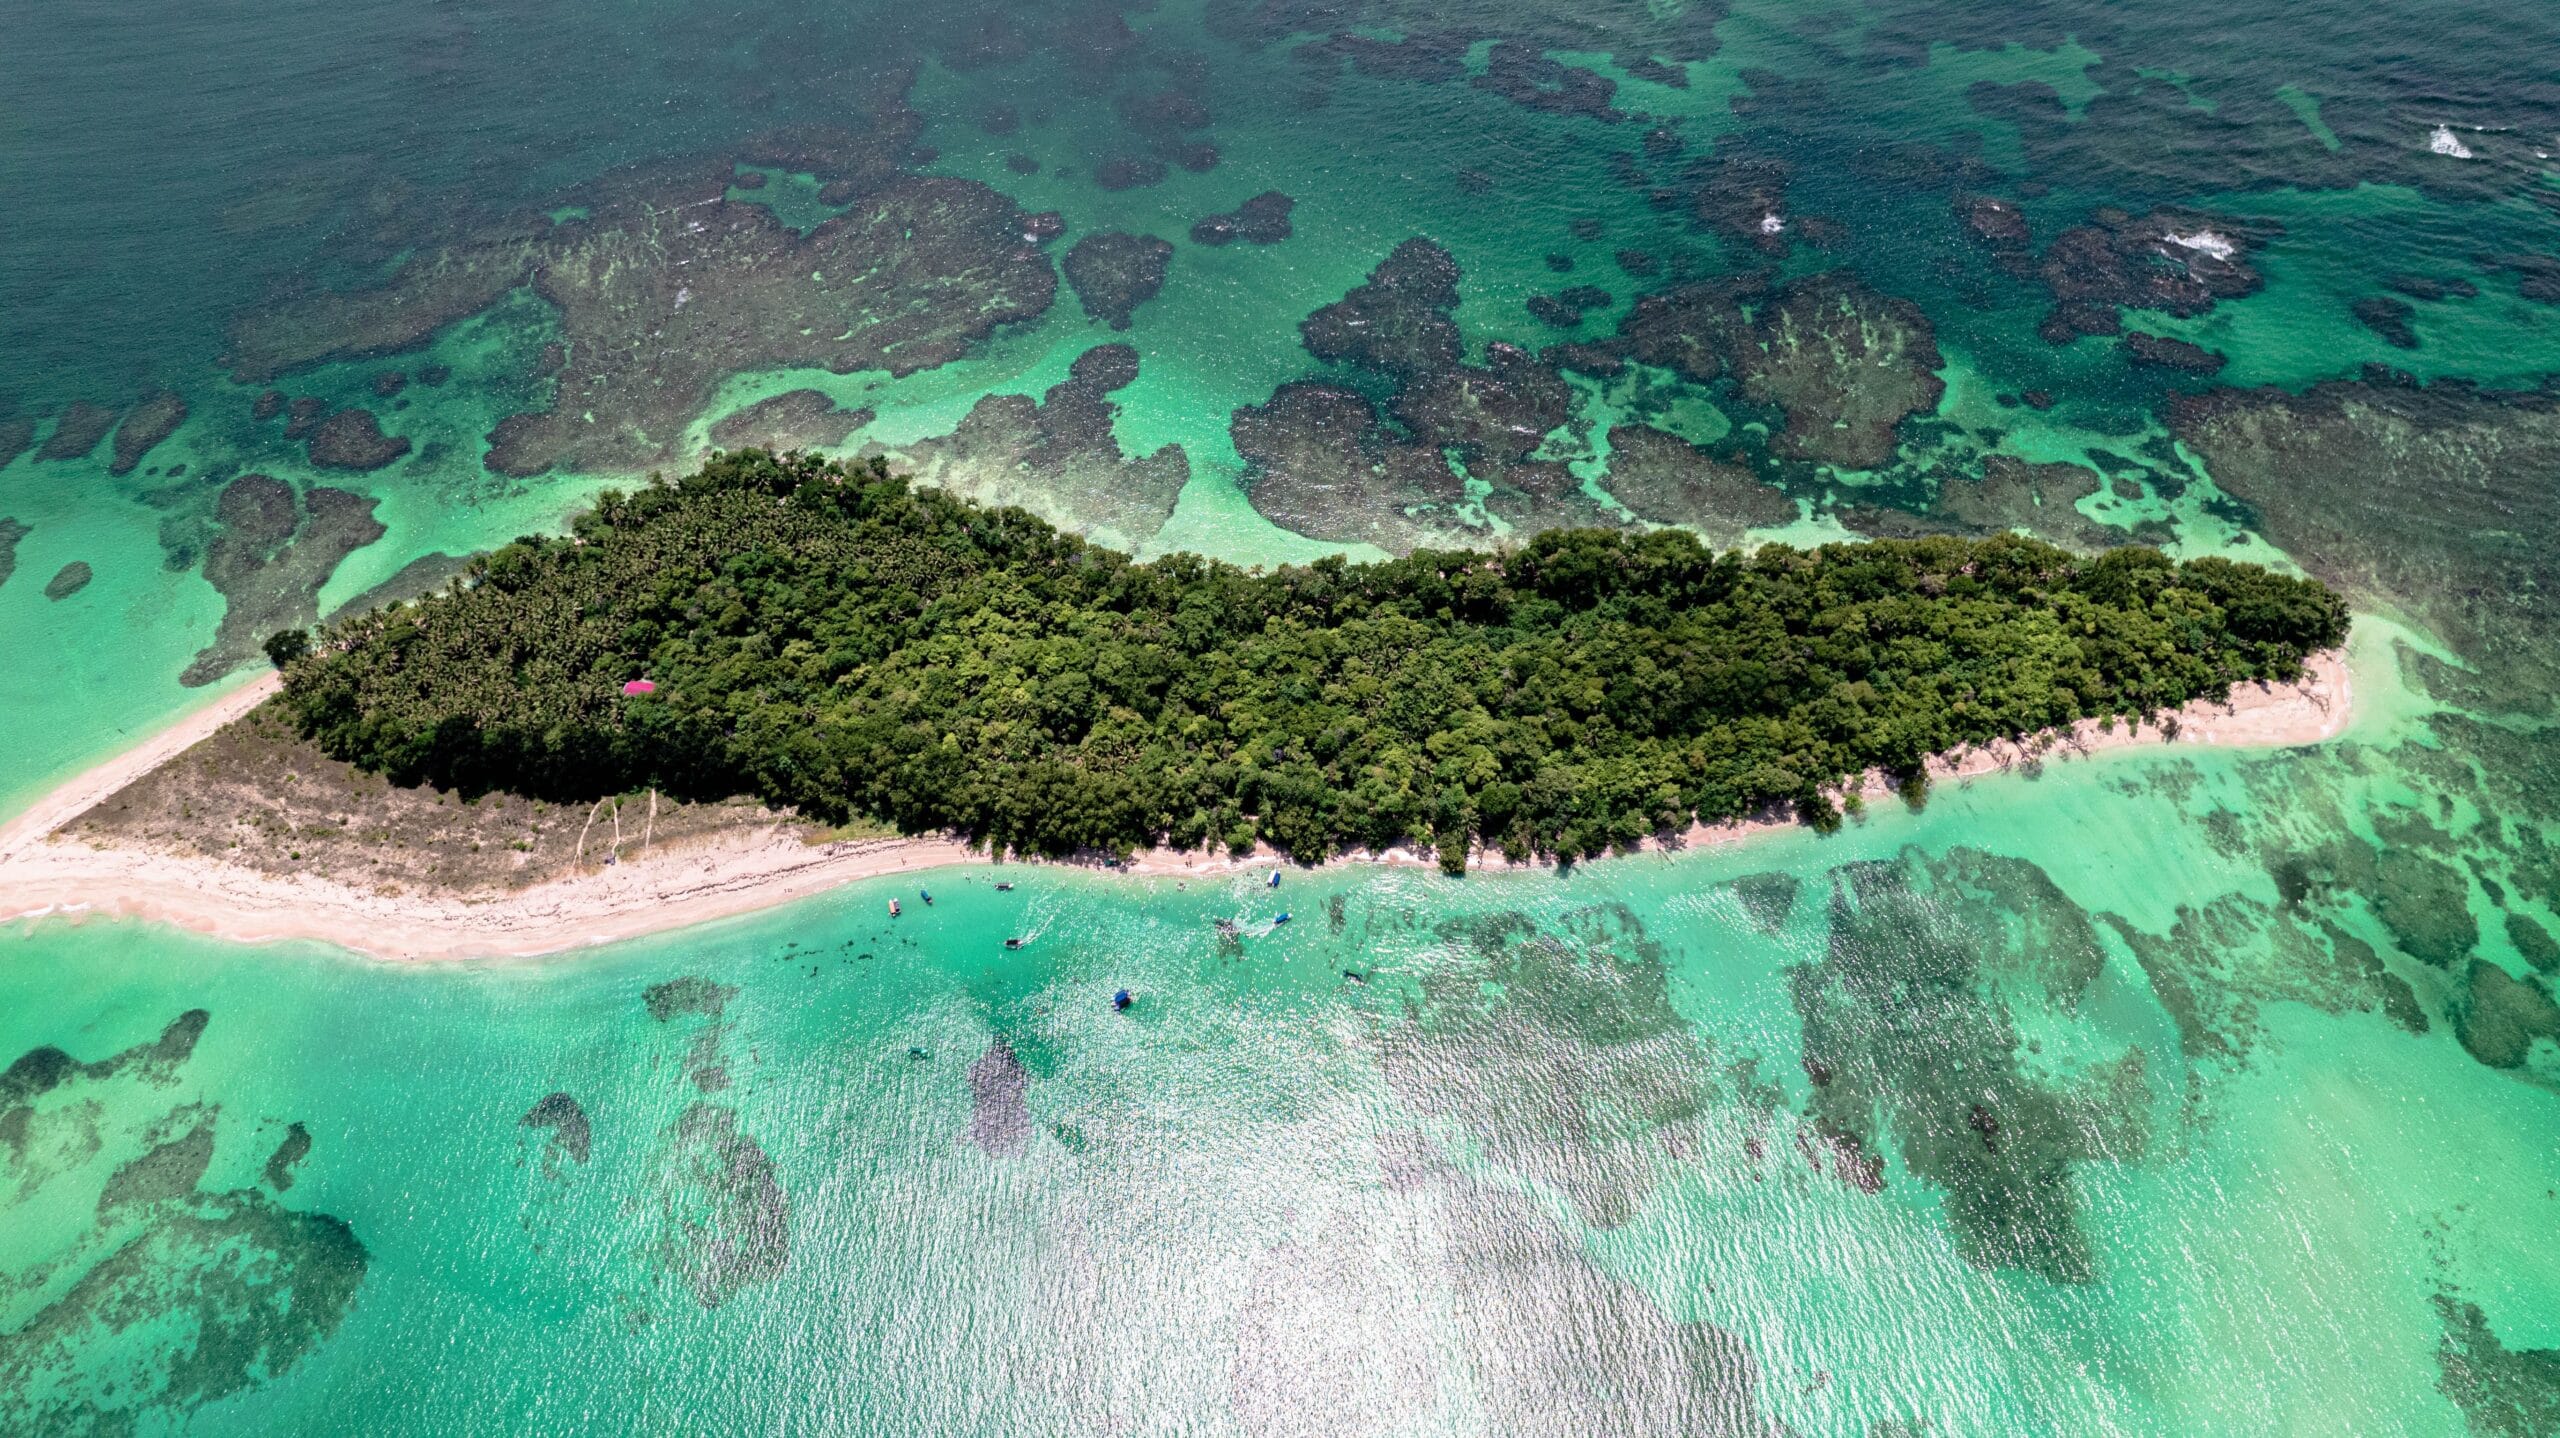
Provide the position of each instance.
(830, 638)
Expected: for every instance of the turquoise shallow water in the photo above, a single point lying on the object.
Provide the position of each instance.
(2194, 1092)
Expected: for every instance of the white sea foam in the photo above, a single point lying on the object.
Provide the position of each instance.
(2445, 142)
(2204, 242)
(1770, 224)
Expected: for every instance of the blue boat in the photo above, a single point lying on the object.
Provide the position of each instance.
(1120, 1000)
(1275, 878)
(1284, 918)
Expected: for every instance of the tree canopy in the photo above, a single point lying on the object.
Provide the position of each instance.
(830, 638)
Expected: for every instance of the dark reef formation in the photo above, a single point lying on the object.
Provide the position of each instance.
(1262, 220)
(1564, 309)
(200, 1294)
(699, 288)
(279, 1171)
(1664, 479)
(144, 426)
(1398, 320)
(304, 415)
(1909, 1030)
(1556, 1047)
(794, 419)
(2502, 1392)
(720, 1221)
(2000, 228)
(691, 996)
(67, 581)
(1114, 273)
(76, 431)
(2502, 1016)
(2181, 262)
(1845, 364)
(1058, 457)
(1740, 194)
(2537, 276)
(269, 553)
(2009, 494)
(2219, 965)
(352, 439)
(561, 1116)
(999, 1109)
(1534, 81)
(1323, 460)
(2162, 352)
(15, 436)
(2394, 320)
(2450, 504)
(11, 531)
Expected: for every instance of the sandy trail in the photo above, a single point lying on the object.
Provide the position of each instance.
(740, 873)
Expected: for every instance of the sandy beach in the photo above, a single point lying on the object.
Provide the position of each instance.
(48, 878)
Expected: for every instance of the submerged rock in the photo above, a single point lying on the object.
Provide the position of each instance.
(1534, 81)
(2162, 352)
(667, 289)
(270, 553)
(352, 439)
(1114, 273)
(68, 581)
(1910, 1035)
(1667, 480)
(1398, 320)
(76, 431)
(1058, 456)
(795, 419)
(144, 426)
(561, 1116)
(1262, 220)
(1847, 366)
(2182, 262)
(999, 1110)
(2392, 319)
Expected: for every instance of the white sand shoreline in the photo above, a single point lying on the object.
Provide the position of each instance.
(43, 877)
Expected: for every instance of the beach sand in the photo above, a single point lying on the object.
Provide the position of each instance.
(44, 876)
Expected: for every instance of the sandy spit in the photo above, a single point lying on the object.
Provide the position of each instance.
(43, 877)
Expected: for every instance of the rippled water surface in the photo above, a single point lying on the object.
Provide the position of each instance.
(2163, 1092)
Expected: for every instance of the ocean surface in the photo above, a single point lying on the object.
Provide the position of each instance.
(2162, 1092)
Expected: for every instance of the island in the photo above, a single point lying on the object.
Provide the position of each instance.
(778, 676)
(835, 640)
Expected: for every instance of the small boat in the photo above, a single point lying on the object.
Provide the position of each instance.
(927, 896)
(1355, 976)
(1120, 1000)
(1004, 888)
(1284, 918)
(1013, 943)
(893, 908)
(1275, 878)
